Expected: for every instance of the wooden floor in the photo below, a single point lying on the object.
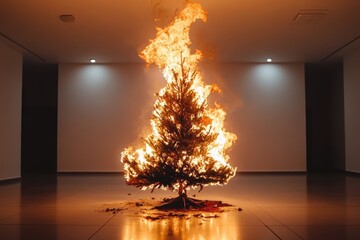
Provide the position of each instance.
(274, 206)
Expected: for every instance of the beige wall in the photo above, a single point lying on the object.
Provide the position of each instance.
(104, 108)
(352, 110)
(266, 109)
(10, 112)
(101, 110)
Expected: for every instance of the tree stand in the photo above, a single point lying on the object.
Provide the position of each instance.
(182, 202)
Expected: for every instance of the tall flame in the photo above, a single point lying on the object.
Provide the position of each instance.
(170, 51)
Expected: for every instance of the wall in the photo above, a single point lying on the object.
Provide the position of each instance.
(10, 112)
(352, 110)
(265, 104)
(101, 110)
(105, 108)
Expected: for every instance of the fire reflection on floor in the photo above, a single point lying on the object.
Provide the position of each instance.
(142, 221)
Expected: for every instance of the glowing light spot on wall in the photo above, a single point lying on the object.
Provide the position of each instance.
(270, 77)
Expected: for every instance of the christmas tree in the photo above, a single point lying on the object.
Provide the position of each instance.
(188, 142)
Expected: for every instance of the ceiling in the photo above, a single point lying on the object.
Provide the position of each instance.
(113, 31)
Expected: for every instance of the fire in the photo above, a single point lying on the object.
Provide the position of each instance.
(188, 143)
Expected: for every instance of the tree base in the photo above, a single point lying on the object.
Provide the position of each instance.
(183, 202)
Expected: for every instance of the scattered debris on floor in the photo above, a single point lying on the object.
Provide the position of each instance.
(146, 209)
(113, 210)
(160, 216)
(199, 215)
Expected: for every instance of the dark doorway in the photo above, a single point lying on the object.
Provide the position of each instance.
(325, 116)
(39, 118)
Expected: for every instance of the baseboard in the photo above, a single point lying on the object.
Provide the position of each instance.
(272, 172)
(88, 173)
(350, 173)
(10, 180)
(122, 172)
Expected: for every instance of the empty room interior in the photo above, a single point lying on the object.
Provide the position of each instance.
(178, 119)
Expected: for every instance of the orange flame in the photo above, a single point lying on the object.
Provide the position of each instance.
(165, 50)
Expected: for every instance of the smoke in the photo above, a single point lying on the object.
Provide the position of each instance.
(152, 82)
(222, 75)
(164, 11)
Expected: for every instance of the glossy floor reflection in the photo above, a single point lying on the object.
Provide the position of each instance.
(275, 206)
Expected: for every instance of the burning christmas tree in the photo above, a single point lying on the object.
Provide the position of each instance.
(188, 143)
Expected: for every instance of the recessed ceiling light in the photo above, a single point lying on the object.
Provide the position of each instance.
(269, 60)
(67, 18)
(93, 61)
